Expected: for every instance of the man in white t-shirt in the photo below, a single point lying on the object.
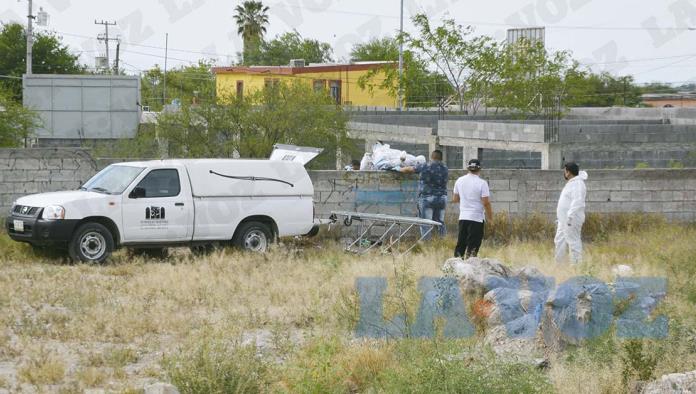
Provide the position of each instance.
(473, 195)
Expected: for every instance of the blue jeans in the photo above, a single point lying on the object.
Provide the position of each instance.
(433, 208)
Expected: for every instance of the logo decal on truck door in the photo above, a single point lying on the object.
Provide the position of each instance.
(154, 213)
(154, 219)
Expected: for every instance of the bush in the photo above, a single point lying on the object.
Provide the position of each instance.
(637, 362)
(408, 366)
(452, 366)
(215, 366)
(598, 226)
(505, 229)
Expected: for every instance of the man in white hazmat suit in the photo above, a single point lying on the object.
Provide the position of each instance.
(570, 214)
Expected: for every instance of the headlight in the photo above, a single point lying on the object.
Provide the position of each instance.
(14, 203)
(53, 212)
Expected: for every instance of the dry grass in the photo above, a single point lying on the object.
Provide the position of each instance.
(42, 368)
(110, 326)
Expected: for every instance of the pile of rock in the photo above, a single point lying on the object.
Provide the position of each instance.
(526, 312)
(672, 383)
(507, 301)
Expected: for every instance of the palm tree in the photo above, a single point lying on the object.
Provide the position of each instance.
(251, 18)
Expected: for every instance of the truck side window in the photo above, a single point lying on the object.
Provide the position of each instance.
(161, 183)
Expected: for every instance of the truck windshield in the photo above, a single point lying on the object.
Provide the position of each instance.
(113, 179)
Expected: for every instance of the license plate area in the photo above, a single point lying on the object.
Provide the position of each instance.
(18, 226)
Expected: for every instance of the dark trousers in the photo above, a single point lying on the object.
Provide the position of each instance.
(469, 238)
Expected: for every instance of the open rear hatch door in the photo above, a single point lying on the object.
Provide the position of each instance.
(300, 154)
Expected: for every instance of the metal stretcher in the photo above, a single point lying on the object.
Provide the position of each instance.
(391, 230)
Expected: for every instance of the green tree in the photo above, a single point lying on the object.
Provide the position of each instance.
(658, 87)
(422, 88)
(588, 89)
(293, 113)
(450, 48)
(247, 127)
(50, 56)
(188, 84)
(529, 79)
(280, 50)
(17, 123)
(251, 18)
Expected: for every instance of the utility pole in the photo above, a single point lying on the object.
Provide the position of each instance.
(401, 57)
(118, 49)
(30, 38)
(105, 38)
(164, 88)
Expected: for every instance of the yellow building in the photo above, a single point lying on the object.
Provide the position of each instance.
(339, 80)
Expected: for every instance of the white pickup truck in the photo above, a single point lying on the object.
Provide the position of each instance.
(161, 203)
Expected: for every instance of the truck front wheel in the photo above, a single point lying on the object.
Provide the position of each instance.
(254, 237)
(91, 243)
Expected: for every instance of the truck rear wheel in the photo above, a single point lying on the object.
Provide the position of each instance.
(91, 243)
(254, 237)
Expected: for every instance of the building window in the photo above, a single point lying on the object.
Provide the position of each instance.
(335, 91)
(240, 89)
(271, 83)
(319, 85)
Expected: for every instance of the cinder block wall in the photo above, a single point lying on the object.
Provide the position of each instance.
(28, 171)
(520, 192)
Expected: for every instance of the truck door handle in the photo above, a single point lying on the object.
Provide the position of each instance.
(178, 204)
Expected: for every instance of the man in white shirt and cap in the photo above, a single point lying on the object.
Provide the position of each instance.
(570, 215)
(473, 195)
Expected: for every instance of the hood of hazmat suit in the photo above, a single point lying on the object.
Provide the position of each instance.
(571, 204)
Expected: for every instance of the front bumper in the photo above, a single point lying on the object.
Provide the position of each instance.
(41, 232)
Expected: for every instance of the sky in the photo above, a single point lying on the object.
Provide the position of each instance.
(653, 40)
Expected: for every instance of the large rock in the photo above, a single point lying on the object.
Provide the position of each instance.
(507, 304)
(476, 275)
(684, 383)
(581, 308)
(515, 348)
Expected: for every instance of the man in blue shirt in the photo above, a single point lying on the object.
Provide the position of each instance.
(432, 190)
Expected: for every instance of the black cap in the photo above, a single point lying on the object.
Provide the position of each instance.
(474, 164)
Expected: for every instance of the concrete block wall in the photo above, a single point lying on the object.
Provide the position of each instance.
(513, 132)
(594, 137)
(492, 158)
(416, 132)
(28, 171)
(673, 115)
(627, 133)
(611, 156)
(519, 192)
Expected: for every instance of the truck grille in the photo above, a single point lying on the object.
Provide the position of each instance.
(25, 210)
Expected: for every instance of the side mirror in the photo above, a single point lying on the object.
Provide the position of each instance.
(137, 192)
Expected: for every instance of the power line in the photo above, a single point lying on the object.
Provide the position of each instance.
(228, 55)
(159, 56)
(645, 59)
(580, 27)
(149, 46)
(500, 24)
(664, 66)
